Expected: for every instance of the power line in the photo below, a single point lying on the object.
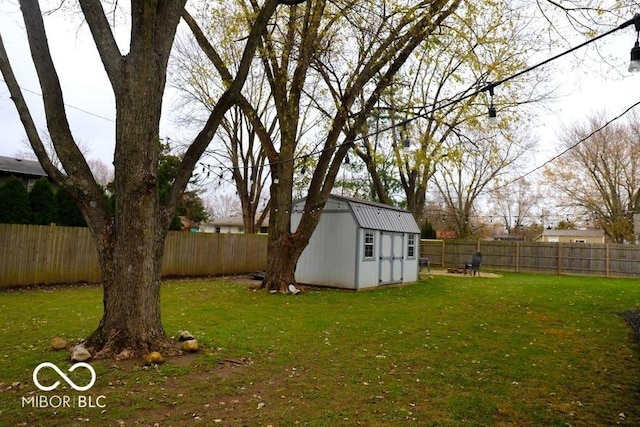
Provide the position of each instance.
(565, 151)
(489, 87)
(73, 107)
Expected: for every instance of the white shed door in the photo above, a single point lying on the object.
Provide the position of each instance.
(391, 258)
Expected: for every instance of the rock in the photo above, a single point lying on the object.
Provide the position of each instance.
(293, 289)
(186, 336)
(58, 344)
(153, 358)
(80, 354)
(191, 346)
(125, 354)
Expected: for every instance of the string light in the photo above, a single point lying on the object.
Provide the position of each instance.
(493, 120)
(634, 64)
(633, 67)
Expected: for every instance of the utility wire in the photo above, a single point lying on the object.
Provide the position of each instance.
(489, 87)
(565, 151)
(67, 105)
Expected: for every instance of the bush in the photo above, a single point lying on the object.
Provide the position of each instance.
(68, 211)
(14, 202)
(44, 207)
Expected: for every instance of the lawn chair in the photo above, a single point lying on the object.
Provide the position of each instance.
(425, 262)
(474, 265)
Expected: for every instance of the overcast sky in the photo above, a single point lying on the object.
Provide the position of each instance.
(91, 108)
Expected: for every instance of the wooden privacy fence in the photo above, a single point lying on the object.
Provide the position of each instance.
(609, 260)
(33, 254)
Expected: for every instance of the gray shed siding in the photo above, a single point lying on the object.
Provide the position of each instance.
(335, 255)
(329, 258)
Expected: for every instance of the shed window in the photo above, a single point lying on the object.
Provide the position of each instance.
(368, 244)
(411, 246)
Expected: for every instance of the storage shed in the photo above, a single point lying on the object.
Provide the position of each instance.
(359, 244)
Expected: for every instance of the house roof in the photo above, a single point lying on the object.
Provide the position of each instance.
(21, 167)
(378, 216)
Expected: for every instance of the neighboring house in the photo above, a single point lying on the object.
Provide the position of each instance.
(231, 224)
(359, 244)
(571, 236)
(28, 170)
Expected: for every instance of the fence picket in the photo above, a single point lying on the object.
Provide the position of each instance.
(609, 260)
(32, 254)
(36, 254)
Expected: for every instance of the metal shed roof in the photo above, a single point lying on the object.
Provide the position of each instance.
(378, 216)
(21, 166)
(384, 218)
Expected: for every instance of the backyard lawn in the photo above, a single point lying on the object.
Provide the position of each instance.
(515, 350)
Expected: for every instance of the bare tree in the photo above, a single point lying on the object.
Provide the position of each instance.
(102, 172)
(130, 241)
(355, 48)
(514, 204)
(236, 149)
(600, 173)
(465, 174)
(439, 94)
(223, 205)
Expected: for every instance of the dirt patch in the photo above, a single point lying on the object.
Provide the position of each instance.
(436, 272)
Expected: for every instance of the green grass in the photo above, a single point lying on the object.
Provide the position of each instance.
(520, 350)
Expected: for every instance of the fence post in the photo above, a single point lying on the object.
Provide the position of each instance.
(442, 253)
(607, 259)
(559, 258)
(517, 257)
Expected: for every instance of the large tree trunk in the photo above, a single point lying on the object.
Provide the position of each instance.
(131, 323)
(281, 268)
(284, 246)
(131, 241)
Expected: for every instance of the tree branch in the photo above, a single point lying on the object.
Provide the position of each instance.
(207, 48)
(104, 40)
(226, 101)
(25, 116)
(82, 184)
(58, 125)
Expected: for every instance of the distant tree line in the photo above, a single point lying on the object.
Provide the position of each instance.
(45, 205)
(41, 206)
